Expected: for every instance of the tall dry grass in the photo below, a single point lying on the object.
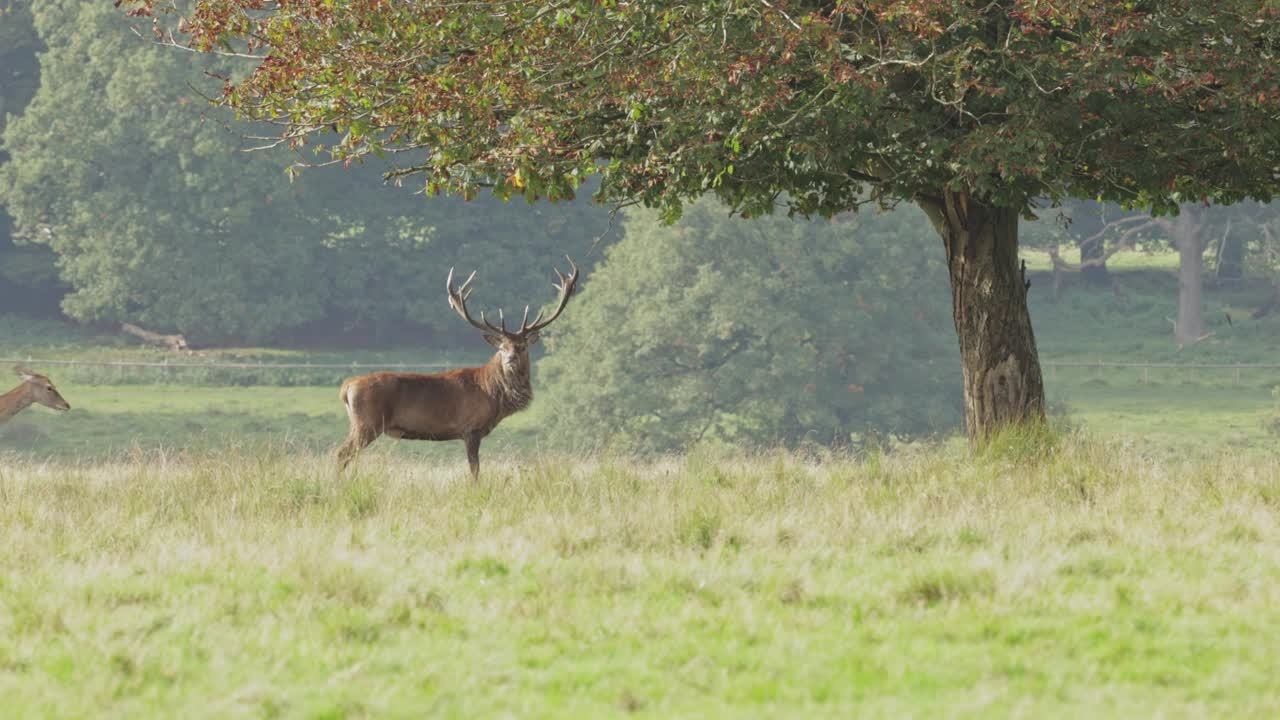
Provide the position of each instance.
(1043, 577)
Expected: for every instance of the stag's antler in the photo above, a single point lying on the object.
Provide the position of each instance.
(568, 283)
(458, 301)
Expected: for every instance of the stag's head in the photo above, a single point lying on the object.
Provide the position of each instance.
(513, 345)
(41, 389)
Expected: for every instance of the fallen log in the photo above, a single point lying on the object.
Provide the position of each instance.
(176, 343)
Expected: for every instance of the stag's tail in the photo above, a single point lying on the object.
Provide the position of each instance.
(352, 445)
(348, 394)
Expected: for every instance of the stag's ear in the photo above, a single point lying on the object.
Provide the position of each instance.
(532, 338)
(493, 340)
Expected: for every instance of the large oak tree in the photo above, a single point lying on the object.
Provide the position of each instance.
(972, 109)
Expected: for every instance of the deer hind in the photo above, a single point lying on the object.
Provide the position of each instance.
(35, 388)
(464, 404)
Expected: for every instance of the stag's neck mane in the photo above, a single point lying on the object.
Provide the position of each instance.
(511, 387)
(14, 402)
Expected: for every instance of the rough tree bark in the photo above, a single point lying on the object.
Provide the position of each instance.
(1002, 381)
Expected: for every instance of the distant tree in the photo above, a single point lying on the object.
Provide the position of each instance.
(1097, 231)
(1088, 218)
(1189, 233)
(19, 67)
(385, 253)
(1231, 256)
(1262, 223)
(721, 328)
(28, 277)
(157, 219)
(968, 109)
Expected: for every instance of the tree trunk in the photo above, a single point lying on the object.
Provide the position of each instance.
(1231, 254)
(1093, 264)
(1087, 224)
(1186, 231)
(1002, 381)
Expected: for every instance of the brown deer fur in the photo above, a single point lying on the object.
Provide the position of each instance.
(464, 404)
(35, 388)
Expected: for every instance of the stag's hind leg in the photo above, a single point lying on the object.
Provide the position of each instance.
(473, 455)
(357, 440)
(360, 434)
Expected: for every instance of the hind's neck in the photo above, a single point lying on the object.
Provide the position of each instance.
(14, 402)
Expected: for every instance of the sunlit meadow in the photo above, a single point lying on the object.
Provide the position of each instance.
(1051, 578)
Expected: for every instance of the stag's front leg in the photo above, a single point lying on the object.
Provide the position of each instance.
(473, 455)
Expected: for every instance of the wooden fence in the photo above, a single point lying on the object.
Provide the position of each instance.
(221, 365)
(1051, 367)
(1145, 368)
(197, 371)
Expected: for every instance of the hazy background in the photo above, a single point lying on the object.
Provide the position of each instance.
(125, 198)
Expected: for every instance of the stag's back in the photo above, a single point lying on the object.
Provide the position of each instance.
(445, 406)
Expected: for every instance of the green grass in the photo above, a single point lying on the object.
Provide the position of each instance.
(1156, 258)
(1080, 582)
(1172, 415)
(1177, 413)
(183, 549)
(110, 420)
(1176, 420)
(1091, 324)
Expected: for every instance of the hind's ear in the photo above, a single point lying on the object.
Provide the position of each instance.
(24, 373)
(493, 340)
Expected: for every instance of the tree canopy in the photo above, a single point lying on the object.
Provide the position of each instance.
(157, 218)
(1134, 102)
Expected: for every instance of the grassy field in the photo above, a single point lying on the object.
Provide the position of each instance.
(1177, 413)
(111, 421)
(1080, 581)
(1155, 257)
(1171, 416)
(179, 546)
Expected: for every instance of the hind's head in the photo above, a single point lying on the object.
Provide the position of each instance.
(41, 390)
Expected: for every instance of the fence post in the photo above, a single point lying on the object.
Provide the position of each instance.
(1146, 374)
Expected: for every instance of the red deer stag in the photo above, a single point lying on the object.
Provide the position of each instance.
(464, 404)
(35, 388)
